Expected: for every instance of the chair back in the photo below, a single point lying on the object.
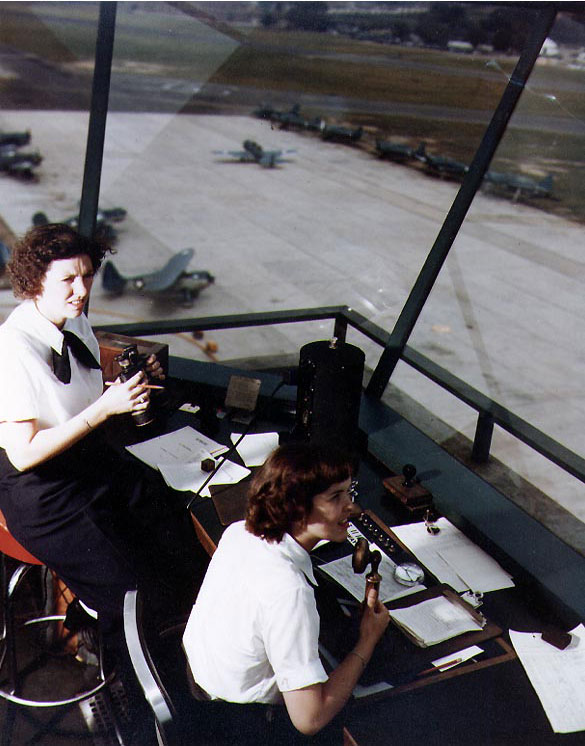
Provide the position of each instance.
(12, 548)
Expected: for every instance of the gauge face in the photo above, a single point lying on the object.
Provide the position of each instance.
(408, 573)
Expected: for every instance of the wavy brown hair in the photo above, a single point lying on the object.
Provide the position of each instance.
(33, 253)
(282, 492)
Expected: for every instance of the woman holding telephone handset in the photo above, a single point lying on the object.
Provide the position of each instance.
(102, 522)
(252, 637)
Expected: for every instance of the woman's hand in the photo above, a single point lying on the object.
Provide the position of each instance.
(128, 396)
(375, 618)
(154, 368)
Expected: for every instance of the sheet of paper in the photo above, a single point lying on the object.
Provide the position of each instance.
(460, 656)
(453, 558)
(355, 583)
(558, 677)
(181, 446)
(190, 476)
(255, 448)
(435, 620)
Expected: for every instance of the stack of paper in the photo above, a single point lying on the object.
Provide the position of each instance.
(178, 456)
(558, 677)
(434, 621)
(453, 558)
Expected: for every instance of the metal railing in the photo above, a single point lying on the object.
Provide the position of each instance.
(490, 413)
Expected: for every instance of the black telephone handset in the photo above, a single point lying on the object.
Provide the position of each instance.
(362, 557)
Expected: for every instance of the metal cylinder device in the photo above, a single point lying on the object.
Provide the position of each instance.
(329, 393)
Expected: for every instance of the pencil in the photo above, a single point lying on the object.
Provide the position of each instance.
(440, 667)
(149, 386)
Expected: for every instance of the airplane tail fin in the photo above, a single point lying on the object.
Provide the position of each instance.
(112, 280)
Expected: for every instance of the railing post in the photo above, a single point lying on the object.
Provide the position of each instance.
(340, 328)
(483, 438)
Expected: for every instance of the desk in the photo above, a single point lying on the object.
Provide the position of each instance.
(494, 705)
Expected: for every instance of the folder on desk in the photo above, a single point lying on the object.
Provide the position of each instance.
(438, 615)
(434, 620)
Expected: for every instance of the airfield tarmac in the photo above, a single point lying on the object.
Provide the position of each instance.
(333, 225)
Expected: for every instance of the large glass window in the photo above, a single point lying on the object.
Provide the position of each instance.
(308, 154)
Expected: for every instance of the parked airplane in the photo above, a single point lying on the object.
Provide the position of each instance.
(336, 133)
(14, 139)
(17, 163)
(520, 185)
(170, 282)
(254, 153)
(104, 219)
(398, 152)
(440, 165)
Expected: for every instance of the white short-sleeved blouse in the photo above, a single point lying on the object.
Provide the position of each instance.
(28, 387)
(253, 632)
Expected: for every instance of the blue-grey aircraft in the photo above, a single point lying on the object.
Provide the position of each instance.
(440, 165)
(171, 282)
(103, 227)
(519, 185)
(14, 139)
(254, 153)
(397, 151)
(337, 133)
(18, 163)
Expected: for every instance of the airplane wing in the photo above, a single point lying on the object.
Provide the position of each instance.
(241, 155)
(166, 277)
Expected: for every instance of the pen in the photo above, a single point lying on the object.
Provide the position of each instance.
(149, 386)
(440, 667)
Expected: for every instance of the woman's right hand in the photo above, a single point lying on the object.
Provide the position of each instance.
(375, 618)
(125, 396)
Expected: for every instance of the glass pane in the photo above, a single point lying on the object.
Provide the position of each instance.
(45, 78)
(320, 219)
(504, 314)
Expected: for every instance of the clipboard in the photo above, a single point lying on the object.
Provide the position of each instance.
(487, 631)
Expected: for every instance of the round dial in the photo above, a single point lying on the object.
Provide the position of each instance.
(408, 573)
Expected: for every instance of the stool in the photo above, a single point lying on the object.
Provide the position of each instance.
(15, 678)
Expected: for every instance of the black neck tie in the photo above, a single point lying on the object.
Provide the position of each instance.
(61, 364)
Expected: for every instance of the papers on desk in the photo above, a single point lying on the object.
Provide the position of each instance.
(453, 558)
(435, 620)
(254, 449)
(178, 457)
(341, 570)
(558, 677)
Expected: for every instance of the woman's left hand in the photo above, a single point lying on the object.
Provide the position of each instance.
(154, 368)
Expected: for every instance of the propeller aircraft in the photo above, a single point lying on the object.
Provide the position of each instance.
(519, 185)
(172, 281)
(14, 139)
(336, 133)
(254, 153)
(17, 163)
(104, 229)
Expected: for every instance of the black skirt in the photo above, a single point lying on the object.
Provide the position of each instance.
(105, 523)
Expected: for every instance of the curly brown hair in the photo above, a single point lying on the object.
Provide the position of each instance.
(33, 253)
(282, 492)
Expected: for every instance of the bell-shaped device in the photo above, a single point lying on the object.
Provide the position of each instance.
(361, 558)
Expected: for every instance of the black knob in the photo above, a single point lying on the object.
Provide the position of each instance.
(409, 472)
